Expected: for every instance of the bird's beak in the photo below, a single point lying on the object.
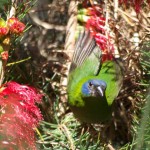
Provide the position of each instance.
(100, 91)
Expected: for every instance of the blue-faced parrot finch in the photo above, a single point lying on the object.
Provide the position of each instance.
(92, 84)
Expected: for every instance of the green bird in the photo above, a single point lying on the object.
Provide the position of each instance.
(92, 85)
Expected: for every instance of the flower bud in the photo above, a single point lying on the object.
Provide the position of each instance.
(1, 49)
(4, 55)
(3, 27)
(82, 18)
(15, 26)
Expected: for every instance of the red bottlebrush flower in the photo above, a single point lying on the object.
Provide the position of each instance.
(19, 116)
(29, 94)
(96, 25)
(15, 26)
(135, 3)
(3, 28)
(3, 31)
(4, 55)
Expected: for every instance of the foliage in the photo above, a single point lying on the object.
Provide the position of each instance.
(143, 139)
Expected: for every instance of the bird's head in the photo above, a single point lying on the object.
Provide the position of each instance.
(94, 88)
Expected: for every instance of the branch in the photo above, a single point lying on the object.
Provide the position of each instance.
(45, 24)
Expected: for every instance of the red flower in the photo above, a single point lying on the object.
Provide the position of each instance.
(3, 31)
(135, 3)
(19, 116)
(15, 26)
(4, 55)
(96, 24)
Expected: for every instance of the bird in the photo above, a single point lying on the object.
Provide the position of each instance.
(93, 85)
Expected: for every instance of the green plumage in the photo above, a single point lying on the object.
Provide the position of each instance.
(86, 65)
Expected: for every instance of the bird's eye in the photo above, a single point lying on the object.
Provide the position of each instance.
(90, 84)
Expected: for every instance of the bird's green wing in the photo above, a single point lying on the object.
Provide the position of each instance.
(86, 59)
(111, 73)
(84, 46)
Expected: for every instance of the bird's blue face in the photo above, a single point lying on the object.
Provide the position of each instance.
(94, 88)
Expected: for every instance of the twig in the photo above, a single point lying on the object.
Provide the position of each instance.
(125, 13)
(68, 135)
(45, 24)
(70, 41)
(110, 147)
(107, 16)
(116, 9)
(17, 62)
(12, 10)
